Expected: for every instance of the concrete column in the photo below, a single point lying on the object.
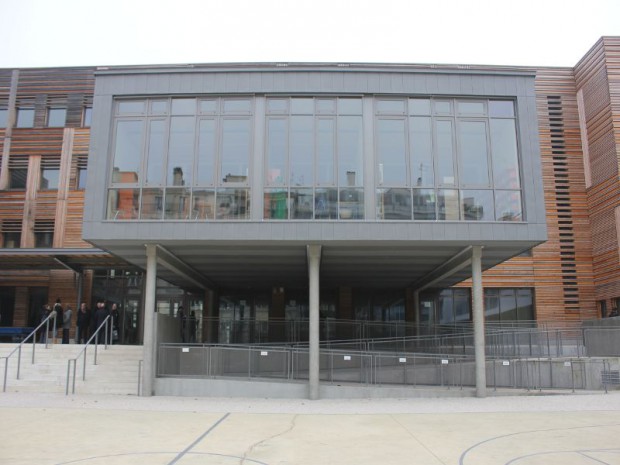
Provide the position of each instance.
(314, 261)
(149, 337)
(478, 317)
(416, 311)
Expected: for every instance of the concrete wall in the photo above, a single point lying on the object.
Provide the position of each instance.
(602, 337)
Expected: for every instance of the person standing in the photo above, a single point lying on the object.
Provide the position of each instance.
(191, 327)
(114, 317)
(182, 322)
(82, 324)
(100, 316)
(66, 324)
(59, 321)
(45, 312)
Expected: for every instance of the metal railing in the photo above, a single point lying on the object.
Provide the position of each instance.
(378, 368)
(104, 326)
(18, 349)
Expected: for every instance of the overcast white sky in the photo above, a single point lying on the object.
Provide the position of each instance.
(124, 32)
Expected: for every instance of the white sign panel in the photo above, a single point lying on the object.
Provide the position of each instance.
(185, 349)
(444, 362)
(347, 357)
(566, 364)
(506, 363)
(264, 353)
(402, 360)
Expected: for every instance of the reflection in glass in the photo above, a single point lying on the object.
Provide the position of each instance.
(325, 151)
(325, 204)
(470, 108)
(131, 107)
(302, 106)
(276, 151)
(25, 118)
(350, 106)
(507, 305)
(275, 204)
(206, 153)
(448, 204)
(4, 114)
(350, 151)
(445, 153)
(207, 106)
(424, 202)
(277, 105)
(473, 161)
(508, 206)
(159, 107)
(233, 204)
(181, 150)
(392, 107)
(393, 204)
(477, 205)
(237, 106)
(301, 204)
(504, 150)
(326, 106)
(443, 107)
(155, 161)
(491, 304)
(56, 117)
(235, 155)
(420, 139)
(184, 106)
(419, 106)
(302, 151)
(50, 178)
(501, 109)
(351, 204)
(391, 152)
(127, 152)
(177, 204)
(123, 204)
(152, 204)
(525, 305)
(203, 207)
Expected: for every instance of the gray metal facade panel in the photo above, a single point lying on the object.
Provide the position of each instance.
(301, 82)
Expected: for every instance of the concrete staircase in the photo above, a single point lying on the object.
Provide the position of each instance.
(116, 371)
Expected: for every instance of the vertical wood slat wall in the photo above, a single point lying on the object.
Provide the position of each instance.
(597, 77)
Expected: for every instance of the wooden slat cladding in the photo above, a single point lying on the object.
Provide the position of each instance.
(34, 81)
(598, 78)
(563, 265)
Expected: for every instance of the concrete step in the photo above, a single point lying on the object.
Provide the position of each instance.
(116, 371)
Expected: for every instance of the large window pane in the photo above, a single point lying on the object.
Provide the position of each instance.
(473, 161)
(152, 207)
(276, 151)
(504, 153)
(424, 203)
(392, 107)
(184, 106)
(4, 114)
(501, 108)
(350, 151)
(326, 204)
(525, 305)
(127, 152)
(448, 204)
(350, 106)
(325, 151)
(445, 153)
(302, 106)
(25, 118)
(123, 204)
(462, 311)
(491, 305)
(156, 153)
(235, 156)
(351, 204)
(177, 204)
(50, 178)
(130, 107)
(391, 152)
(206, 153)
(302, 151)
(507, 305)
(56, 117)
(477, 205)
(508, 206)
(181, 151)
(446, 307)
(275, 203)
(301, 201)
(393, 204)
(233, 204)
(203, 204)
(420, 140)
(419, 106)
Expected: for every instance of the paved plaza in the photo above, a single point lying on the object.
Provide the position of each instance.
(40, 429)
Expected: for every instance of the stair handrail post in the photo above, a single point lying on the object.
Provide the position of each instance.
(6, 366)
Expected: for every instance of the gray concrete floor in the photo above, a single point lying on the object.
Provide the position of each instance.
(41, 429)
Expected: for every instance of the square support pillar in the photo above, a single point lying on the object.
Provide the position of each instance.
(314, 261)
(478, 317)
(150, 336)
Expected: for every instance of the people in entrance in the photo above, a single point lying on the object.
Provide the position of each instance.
(191, 327)
(66, 324)
(114, 323)
(59, 321)
(82, 324)
(182, 323)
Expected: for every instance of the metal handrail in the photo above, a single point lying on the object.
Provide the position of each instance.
(104, 325)
(18, 349)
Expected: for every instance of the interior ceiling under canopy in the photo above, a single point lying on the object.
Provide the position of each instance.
(267, 265)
